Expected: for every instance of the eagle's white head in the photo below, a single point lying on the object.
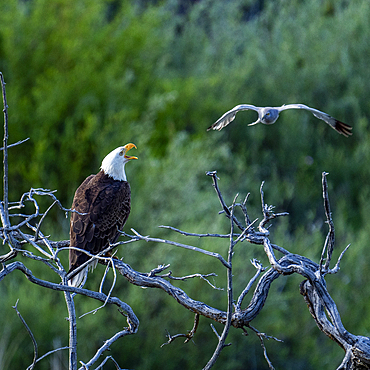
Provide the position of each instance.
(113, 164)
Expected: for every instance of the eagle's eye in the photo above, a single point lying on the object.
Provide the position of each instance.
(268, 113)
(121, 153)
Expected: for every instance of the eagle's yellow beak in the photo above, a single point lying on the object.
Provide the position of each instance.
(128, 147)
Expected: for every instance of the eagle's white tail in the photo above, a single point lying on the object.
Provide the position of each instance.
(79, 279)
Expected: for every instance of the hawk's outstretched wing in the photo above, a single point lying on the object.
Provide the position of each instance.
(230, 115)
(338, 126)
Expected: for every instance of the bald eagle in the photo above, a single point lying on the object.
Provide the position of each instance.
(103, 205)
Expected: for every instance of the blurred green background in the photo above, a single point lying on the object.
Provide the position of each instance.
(84, 77)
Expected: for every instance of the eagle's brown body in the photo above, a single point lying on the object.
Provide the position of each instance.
(103, 206)
(106, 203)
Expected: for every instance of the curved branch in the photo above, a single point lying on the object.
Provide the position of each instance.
(35, 350)
(132, 320)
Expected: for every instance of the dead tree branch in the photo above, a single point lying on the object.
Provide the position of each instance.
(230, 300)
(314, 288)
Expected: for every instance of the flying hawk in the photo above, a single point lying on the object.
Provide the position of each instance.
(103, 205)
(269, 115)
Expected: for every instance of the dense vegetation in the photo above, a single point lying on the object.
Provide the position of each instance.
(85, 78)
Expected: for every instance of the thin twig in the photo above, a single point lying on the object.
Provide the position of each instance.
(43, 238)
(196, 234)
(42, 219)
(261, 336)
(15, 144)
(72, 330)
(260, 269)
(106, 360)
(268, 213)
(105, 347)
(59, 271)
(5, 150)
(35, 245)
(182, 278)
(243, 206)
(225, 209)
(196, 249)
(48, 354)
(188, 336)
(103, 278)
(158, 269)
(330, 238)
(4, 211)
(335, 269)
(94, 311)
(215, 331)
(30, 334)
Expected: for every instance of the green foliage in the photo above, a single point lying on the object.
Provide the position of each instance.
(86, 77)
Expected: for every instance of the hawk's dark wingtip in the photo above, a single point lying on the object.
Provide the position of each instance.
(343, 128)
(211, 127)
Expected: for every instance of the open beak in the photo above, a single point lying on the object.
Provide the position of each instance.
(128, 147)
